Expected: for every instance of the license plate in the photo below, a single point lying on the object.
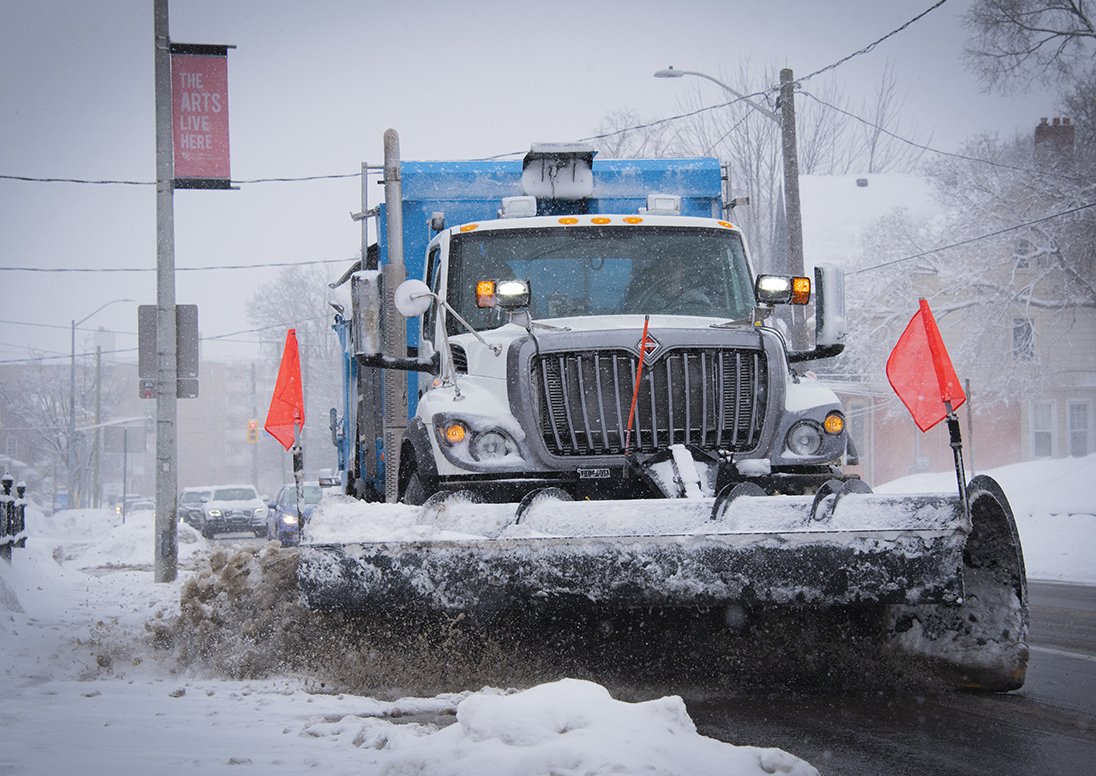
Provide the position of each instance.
(601, 473)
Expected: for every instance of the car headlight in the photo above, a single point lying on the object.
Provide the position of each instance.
(804, 438)
(214, 513)
(491, 445)
(289, 519)
(260, 511)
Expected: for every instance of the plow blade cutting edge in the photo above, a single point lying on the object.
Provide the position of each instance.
(954, 588)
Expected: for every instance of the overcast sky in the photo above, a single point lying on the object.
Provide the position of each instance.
(314, 85)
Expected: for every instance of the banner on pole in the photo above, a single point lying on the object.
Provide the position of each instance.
(199, 116)
(920, 371)
(285, 419)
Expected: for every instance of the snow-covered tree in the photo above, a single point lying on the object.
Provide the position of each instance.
(1022, 230)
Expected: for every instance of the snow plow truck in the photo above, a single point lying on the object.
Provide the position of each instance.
(587, 386)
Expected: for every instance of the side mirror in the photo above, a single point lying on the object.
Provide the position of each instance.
(365, 291)
(830, 324)
(333, 420)
(413, 298)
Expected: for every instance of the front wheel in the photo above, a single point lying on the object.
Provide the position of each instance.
(414, 493)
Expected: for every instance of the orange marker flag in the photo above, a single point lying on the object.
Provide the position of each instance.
(921, 373)
(286, 415)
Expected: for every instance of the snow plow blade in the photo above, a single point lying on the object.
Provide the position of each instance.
(917, 555)
(697, 567)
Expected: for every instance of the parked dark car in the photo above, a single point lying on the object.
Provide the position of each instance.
(189, 505)
(233, 509)
(282, 521)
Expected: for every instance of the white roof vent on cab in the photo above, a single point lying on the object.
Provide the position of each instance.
(662, 205)
(518, 207)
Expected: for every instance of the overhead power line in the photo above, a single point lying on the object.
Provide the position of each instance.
(868, 48)
(209, 268)
(212, 338)
(116, 182)
(970, 240)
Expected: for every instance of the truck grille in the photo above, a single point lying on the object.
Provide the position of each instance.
(712, 398)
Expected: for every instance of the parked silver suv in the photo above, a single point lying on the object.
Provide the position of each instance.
(231, 509)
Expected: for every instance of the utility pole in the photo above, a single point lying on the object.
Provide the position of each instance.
(254, 414)
(97, 450)
(71, 447)
(167, 476)
(791, 200)
(394, 327)
(789, 151)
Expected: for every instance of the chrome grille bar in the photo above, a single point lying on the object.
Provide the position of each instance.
(710, 396)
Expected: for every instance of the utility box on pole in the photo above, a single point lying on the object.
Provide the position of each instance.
(187, 352)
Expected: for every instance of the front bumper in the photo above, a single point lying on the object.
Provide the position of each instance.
(232, 522)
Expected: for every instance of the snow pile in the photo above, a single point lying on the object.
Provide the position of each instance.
(221, 668)
(572, 726)
(1054, 509)
(92, 538)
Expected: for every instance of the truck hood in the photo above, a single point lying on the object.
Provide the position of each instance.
(546, 327)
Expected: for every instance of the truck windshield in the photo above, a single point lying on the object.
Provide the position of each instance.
(610, 270)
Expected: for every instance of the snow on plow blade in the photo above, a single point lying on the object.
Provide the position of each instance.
(659, 553)
(953, 588)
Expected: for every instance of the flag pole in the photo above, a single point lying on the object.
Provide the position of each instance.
(957, 450)
(298, 474)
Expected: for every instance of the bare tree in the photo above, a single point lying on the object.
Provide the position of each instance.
(1017, 42)
(830, 142)
(624, 135)
(35, 403)
(879, 150)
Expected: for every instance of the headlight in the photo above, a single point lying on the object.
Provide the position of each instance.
(289, 519)
(260, 511)
(214, 513)
(834, 423)
(805, 438)
(453, 432)
(490, 445)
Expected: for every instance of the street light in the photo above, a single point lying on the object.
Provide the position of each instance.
(786, 121)
(72, 402)
(669, 72)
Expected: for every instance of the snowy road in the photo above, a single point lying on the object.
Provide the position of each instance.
(1050, 723)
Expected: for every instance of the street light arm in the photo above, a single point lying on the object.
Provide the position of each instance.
(71, 448)
(102, 307)
(670, 72)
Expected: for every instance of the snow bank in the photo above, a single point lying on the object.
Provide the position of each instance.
(1054, 507)
(573, 726)
(134, 675)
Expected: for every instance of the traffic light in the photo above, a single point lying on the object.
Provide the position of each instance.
(252, 431)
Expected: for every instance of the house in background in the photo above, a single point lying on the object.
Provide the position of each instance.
(1058, 422)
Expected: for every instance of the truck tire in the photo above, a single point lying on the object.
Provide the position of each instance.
(415, 493)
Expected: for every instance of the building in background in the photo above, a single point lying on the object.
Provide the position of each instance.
(1056, 419)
